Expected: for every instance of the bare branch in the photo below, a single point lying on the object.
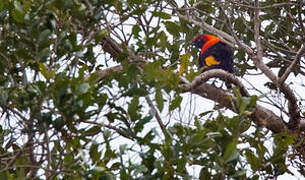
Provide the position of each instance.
(275, 5)
(111, 47)
(256, 31)
(156, 114)
(226, 37)
(221, 74)
(106, 72)
(262, 116)
(300, 6)
(300, 53)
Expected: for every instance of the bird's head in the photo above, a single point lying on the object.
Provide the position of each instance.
(200, 40)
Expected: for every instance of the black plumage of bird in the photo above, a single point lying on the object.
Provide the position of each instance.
(214, 53)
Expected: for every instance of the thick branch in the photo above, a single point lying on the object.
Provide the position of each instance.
(221, 74)
(263, 116)
(106, 72)
(110, 46)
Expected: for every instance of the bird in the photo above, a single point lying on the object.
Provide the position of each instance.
(214, 53)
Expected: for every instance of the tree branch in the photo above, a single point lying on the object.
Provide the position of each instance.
(157, 115)
(110, 46)
(300, 6)
(122, 132)
(302, 124)
(257, 24)
(300, 52)
(106, 72)
(221, 74)
(263, 116)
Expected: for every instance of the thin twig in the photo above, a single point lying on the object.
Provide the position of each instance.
(156, 114)
(120, 131)
(300, 6)
(300, 53)
(256, 31)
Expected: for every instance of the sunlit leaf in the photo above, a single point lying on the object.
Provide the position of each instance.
(159, 100)
(175, 103)
(83, 88)
(161, 15)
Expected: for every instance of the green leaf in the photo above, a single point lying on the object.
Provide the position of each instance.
(159, 99)
(175, 103)
(83, 88)
(181, 164)
(161, 15)
(172, 28)
(44, 70)
(44, 35)
(100, 35)
(44, 54)
(115, 166)
(68, 45)
(123, 148)
(252, 102)
(205, 113)
(133, 107)
(199, 138)
(184, 63)
(140, 124)
(3, 175)
(204, 174)
(252, 160)
(234, 157)
(95, 155)
(92, 131)
(136, 30)
(1, 5)
(17, 12)
(283, 140)
(239, 24)
(230, 151)
(239, 100)
(3, 96)
(197, 123)
(245, 124)
(239, 173)
(163, 41)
